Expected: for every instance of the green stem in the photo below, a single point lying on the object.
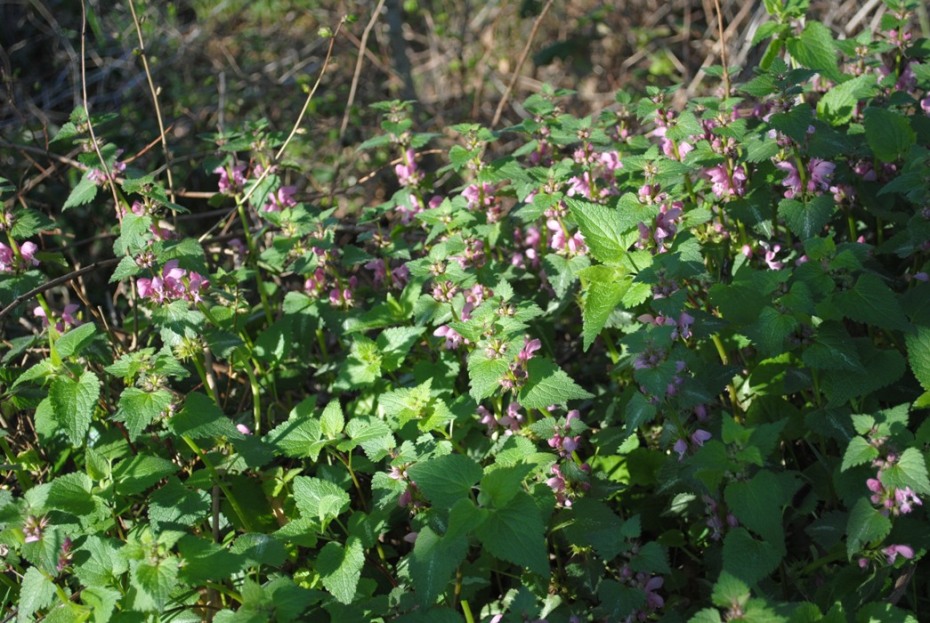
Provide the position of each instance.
(466, 610)
(243, 518)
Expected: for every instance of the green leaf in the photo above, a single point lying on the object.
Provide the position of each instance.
(872, 302)
(297, 438)
(73, 402)
(137, 474)
(83, 193)
(341, 567)
(603, 229)
(258, 549)
(157, 578)
(202, 419)
(433, 561)
(446, 479)
(866, 525)
(71, 493)
(75, 340)
(748, 559)
(838, 104)
(501, 482)
(562, 272)
(909, 471)
(729, 591)
(604, 289)
(139, 408)
(515, 533)
(332, 421)
(547, 384)
(484, 375)
(98, 563)
(815, 49)
(373, 435)
(888, 133)
(918, 354)
(596, 525)
(395, 343)
(177, 505)
(319, 499)
(807, 220)
(858, 451)
(36, 592)
(757, 503)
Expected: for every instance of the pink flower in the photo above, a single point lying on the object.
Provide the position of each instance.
(232, 184)
(792, 181)
(529, 347)
(681, 446)
(699, 436)
(281, 199)
(407, 173)
(453, 338)
(893, 551)
(242, 428)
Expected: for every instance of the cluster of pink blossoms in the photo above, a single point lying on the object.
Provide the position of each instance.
(10, 263)
(695, 439)
(717, 520)
(232, 181)
(174, 284)
(98, 177)
(483, 196)
(562, 441)
(819, 175)
(510, 421)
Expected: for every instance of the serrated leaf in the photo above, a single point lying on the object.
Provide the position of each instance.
(596, 525)
(602, 227)
(137, 474)
(395, 343)
(319, 499)
(71, 493)
(446, 479)
(865, 525)
(909, 471)
(888, 133)
(500, 483)
(157, 579)
(729, 590)
(757, 503)
(814, 49)
(200, 418)
(73, 402)
(373, 435)
(84, 192)
(36, 592)
(341, 567)
(297, 438)
(433, 561)
(872, 302)
(807, 220)
(858, 451)
(839, 103)
(75, 340)
(484, 375)
(547, 384)
(918, 354)
(746, 558)
(604, 291)
(139, 408)
(515, 533)
(332, 420)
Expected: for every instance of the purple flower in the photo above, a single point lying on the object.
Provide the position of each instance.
(231, 184)
(792, 181)
(33, 528)
(681, 446)
(281, 199)
(893, 551)
(724, 184)
(453, 338)
(925, 104)
(529, 347)
(407, 173)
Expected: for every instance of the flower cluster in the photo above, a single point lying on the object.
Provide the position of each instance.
(12, 262)
(510, 421)
(66, 321)
(819, 173)
(174, 284)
